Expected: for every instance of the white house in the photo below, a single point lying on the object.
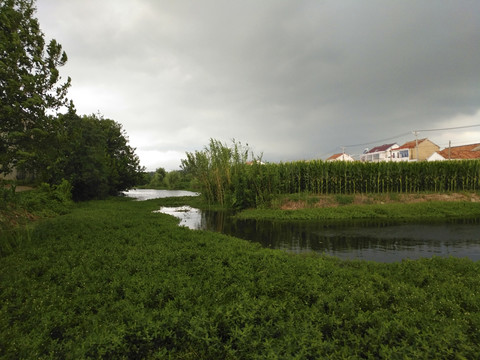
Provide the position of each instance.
(379, 153)
(340, 157)
(408, 151)
(436, 157)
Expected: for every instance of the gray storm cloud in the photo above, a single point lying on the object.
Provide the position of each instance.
(295, 79)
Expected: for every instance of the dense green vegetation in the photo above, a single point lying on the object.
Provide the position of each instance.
(17, 210)
(408, 207)
(93, 154)
(224, 176)
(342, 177)
(30, 85)
(36, 140)
(111, 279)
(437, 210)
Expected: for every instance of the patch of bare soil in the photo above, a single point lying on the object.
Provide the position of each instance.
(413, 198)
(293, 205)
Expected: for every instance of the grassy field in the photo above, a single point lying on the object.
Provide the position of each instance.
(111, 279)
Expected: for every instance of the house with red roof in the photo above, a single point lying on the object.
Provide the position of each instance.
(415, 150)
(463, 152)
(379, 153)
(340, 157)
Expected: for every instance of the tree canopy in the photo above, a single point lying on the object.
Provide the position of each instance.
(89, 151)
(94, 155)
(30, 84)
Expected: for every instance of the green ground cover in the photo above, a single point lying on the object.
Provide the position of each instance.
(435, 210)
(111, 279)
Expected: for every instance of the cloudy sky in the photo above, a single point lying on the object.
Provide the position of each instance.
(294, 79)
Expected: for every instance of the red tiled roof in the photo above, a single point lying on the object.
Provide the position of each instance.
(411, 144)
(335, 156)
(464, 152)
(383, 147)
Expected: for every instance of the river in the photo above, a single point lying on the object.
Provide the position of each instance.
(148, 194)
(381, 241)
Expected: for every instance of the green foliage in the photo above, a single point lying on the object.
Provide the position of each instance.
(344, 199)
(7, 194)
(47, 199)
(318, 177)
(223, 173)
(437, 210)
(94, 155)
(30, 86)
(158, 178)
(225, 178)
(114, 280)
(144, 179)
(20, 208)
(90, 151)
(175, 180)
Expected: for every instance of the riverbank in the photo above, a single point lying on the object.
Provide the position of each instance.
(409, 207)
(112, 279)
(302, 201)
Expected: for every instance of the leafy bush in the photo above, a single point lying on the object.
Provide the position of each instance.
(47, 199)
(21, 208)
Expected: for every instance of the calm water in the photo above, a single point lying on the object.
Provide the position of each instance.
(148, 194)
(377, 241)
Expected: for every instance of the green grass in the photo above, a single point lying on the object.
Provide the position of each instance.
(344, 199)
(434, 210)
(113, 280)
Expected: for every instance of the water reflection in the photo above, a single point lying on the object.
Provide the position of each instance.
(148, 194)
(189, 217)
(378, 241)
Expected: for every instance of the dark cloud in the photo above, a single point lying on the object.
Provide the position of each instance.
(295, 79)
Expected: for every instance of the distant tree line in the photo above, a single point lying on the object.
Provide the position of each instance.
(162, 179)
(39, 142)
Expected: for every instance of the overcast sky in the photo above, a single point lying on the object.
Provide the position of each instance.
(293, 79)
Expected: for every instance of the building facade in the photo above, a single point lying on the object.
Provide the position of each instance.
(415, 150)
(379, 153)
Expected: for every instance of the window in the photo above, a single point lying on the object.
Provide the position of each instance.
(403, 154)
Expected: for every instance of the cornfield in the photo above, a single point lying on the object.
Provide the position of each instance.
(319, 177)
(225, 177)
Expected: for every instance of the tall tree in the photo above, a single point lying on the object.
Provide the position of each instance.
(122, 162)
(94, 155)
(30, 86)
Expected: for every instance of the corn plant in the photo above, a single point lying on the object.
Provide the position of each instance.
(227, 179)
